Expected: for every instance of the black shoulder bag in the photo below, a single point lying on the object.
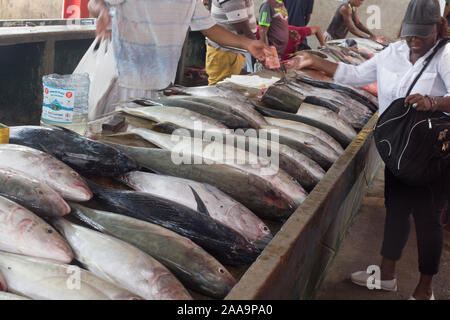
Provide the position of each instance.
(413, 144)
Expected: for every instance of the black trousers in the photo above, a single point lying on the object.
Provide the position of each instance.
(425, 204)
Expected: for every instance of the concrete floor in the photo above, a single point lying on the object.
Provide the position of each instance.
(361, 248)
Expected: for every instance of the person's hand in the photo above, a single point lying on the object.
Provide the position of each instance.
(419, 102)
(103, 23)
(373, 38)
(300, 61)
(256, 49)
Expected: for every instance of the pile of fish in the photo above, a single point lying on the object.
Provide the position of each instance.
(167, 194)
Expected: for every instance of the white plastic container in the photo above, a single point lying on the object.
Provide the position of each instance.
(66, 101)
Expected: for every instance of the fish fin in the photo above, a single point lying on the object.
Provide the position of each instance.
(200, 204)
(165, 127)
(67, 131)
(79, 214)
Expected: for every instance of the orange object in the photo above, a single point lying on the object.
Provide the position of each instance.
(75, 9)
(372, 88)
(272, 61)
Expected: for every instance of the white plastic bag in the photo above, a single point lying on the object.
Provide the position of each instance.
(99, 62)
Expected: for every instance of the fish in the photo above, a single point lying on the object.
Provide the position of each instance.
(283, 99)
(228, 119)
(294, 125)
(222, 242)
(192, 265)
(22, 232)
(359, 95)
(208, 92)
(11, 296)
(178, 116)
(41, 279)
(121, 263)
(318, 117)
(246, 110)
(36, 196)
(354, 112)
(285, 192)
(3, 285)
(305, 143)
(259, 194)
(47, 169)
(84, 155)
(218, 205)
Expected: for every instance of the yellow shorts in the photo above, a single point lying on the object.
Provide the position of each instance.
(222, 64)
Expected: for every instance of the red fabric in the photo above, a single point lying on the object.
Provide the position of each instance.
(75, 9)
(303, 32)
(372, 88)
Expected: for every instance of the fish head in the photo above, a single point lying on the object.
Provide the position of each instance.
(52, 245)
(69, 183)
(54, 203)
(221, 281)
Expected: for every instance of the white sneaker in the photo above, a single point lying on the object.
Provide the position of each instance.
(432, 297)
(360, 278)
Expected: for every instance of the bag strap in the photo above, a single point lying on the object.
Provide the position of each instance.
(427, 63)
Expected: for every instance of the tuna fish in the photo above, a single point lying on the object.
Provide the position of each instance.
(31, 193)
(298, 126)
(45, 280)
(225, 244)
(218, 205)
(121, 263)
(192, 265)
(21, 231)
(228, 119)
(84, 155)
(46, 169)
(269, 197)
(318, 117)
(178, 116)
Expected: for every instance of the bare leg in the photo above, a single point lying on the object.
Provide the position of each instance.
(387, 269)
(424, 288)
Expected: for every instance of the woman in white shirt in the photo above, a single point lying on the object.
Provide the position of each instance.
(395, 69)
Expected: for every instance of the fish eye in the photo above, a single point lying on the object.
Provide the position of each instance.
(40, 192)
(221, 270)
(265, 228)
(49, 231)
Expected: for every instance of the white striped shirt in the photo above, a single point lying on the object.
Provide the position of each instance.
(148, 37)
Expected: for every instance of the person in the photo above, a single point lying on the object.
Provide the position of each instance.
(148, 38)
(273, 24)
(299, 12)
(297, 35)
(395, 69)
(346, 20)
(237, 16)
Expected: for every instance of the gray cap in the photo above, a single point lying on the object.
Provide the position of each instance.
(420, 18)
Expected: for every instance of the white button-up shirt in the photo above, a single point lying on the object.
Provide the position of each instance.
(395, 73)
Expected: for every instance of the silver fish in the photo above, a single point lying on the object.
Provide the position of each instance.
(121, 263)
(41, 279)
(21, 231)
(46, 169)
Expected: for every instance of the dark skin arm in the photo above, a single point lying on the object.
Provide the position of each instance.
(362, 27)
(263, 34)
(347, 14)
(447, 11)
(227, 38)
(243, 29)
(424, 104)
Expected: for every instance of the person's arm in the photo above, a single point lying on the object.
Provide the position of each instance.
(447, 11)
(347, 15)
(358, 76)
(263, 34)
(99, 9)
(227, 38)
(363, 28)
(435, 103)
(243, 28)
(317, 31)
